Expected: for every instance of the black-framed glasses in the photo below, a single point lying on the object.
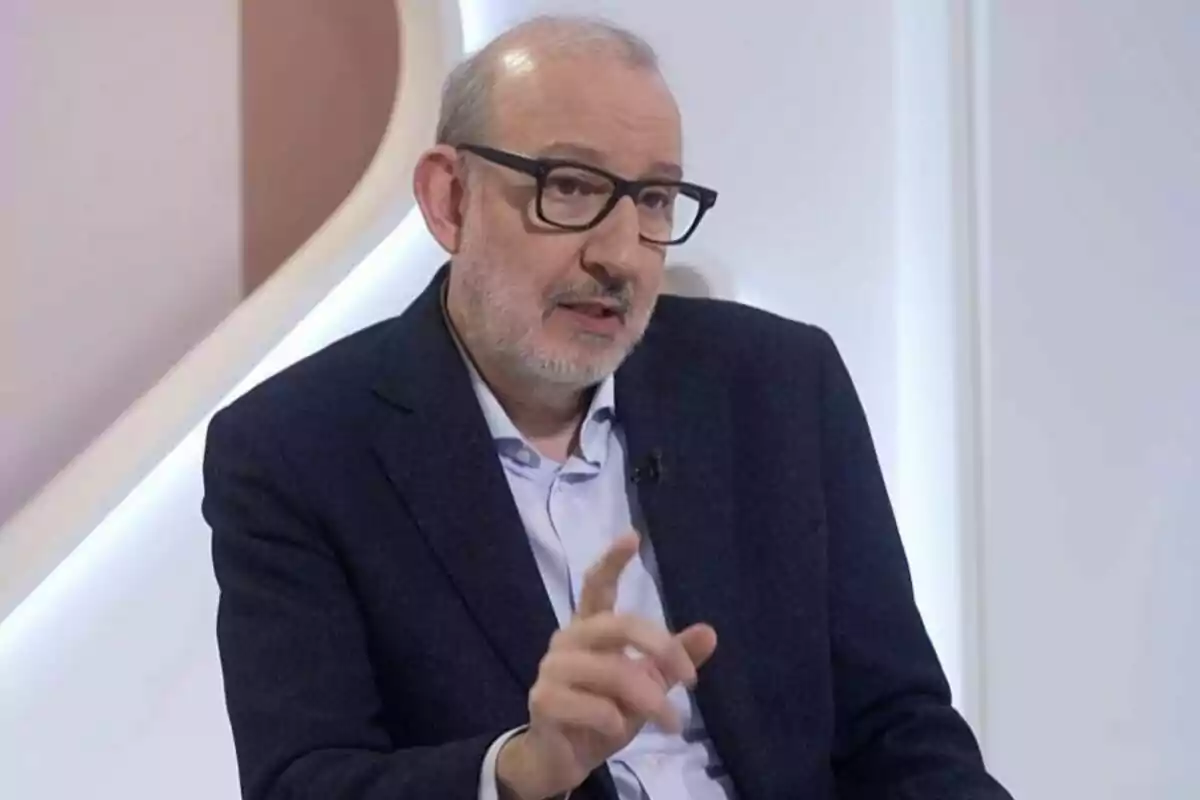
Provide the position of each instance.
(575, 197)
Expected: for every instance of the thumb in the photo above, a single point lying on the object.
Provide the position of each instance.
(699, 640)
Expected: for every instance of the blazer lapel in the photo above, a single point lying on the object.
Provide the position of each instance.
(689, 514)
(438, 452)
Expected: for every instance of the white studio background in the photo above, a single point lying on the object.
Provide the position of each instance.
(1089, 126)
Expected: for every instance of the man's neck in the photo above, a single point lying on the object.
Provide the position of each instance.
(549, 416)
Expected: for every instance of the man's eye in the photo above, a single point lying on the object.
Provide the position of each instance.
(656, 200)
(566, 185)
(570, 185)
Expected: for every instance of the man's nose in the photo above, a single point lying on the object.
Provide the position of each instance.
(615, 242)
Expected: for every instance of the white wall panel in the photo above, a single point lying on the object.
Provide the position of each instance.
(1091, 130)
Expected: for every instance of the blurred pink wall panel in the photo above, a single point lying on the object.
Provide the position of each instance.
(120, 244)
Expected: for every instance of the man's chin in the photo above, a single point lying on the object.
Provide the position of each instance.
(576, 370)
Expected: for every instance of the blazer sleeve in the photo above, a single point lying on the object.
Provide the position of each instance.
(301, 697)
(897, 737)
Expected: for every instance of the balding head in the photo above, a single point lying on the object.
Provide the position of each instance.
(467, 96)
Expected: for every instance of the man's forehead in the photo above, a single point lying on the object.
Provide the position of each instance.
(615, 117)
(578, 151)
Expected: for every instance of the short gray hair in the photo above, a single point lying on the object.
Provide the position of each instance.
(466, 94)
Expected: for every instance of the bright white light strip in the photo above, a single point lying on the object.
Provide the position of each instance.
(95, 561)
(478, 25)
(933, 484)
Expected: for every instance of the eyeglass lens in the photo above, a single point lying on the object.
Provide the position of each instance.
(575, 197)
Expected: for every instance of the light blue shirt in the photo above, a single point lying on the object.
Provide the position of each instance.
(573, 512)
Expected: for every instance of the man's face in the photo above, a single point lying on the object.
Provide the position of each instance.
(541, 303)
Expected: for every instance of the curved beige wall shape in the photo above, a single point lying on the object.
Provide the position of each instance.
(319, 81)
(61, 517)
(144, 197)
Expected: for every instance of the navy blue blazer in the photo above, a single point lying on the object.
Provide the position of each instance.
(382, 618)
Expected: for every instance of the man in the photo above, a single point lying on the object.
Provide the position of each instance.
(549, 533)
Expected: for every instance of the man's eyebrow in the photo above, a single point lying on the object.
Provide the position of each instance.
(590, 155)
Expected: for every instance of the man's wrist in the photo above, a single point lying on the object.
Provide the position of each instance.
(519, 776)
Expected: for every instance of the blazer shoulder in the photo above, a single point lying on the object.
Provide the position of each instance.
(328, 382)
(737, 335)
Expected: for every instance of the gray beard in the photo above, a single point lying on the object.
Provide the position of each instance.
(562, 372)
(517, 356)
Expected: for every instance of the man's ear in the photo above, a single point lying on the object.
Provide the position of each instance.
(439, 194)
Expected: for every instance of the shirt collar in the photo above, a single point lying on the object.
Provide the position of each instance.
(593, 434)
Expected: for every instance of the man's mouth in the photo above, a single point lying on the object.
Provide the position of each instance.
(596, 317)
(596, 309)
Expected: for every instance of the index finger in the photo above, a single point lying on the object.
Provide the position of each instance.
(599, 592)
